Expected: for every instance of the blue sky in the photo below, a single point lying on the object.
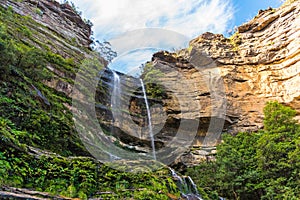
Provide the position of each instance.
(244, 10)
(137, 46)
(133, 25)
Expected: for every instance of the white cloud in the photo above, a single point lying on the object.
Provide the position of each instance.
(188, 17)
(149, 38)
(130, 62)
(134, 26)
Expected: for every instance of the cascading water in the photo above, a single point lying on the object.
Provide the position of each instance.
(116, 96)
(115, 105)
(187, 186)
(184, 183)
(149, 120)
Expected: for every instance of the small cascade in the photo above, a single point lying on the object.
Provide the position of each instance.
(187, 186)
(175, 175)
(149, 120)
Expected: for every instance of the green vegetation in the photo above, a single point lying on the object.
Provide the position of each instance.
(190, 48)
(151, 77)
(25, 100)
(263, 165)
(73, 177)
(235, 41)
(35, 121)
(39, 147)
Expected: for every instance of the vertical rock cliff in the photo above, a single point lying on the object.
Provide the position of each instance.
(217, 84)
(259, 63)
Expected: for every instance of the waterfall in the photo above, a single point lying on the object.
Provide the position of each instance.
(116, 96)
(115, 105)
(149, 120)
(186, 186)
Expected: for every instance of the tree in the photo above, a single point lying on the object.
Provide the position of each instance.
(262, 165)
(236, 166)
(275, 146)
(279, 118)
(234, 175)
(105, 50)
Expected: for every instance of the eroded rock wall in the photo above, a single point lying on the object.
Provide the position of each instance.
(259, 63)
(221, 84)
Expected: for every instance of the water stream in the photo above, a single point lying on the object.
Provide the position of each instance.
(115, 105)
(116, 96)
(149, 120)
(185, 183)
(187, 186)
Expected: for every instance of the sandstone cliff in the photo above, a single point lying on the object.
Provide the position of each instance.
(216, 85)
(222, 84)
(259, 63)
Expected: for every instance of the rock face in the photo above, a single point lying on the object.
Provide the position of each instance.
(60, 30)
(236, 76)
(127, 122)
(218, 84)
(60, 18)
(221, 84)
(259, 63)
